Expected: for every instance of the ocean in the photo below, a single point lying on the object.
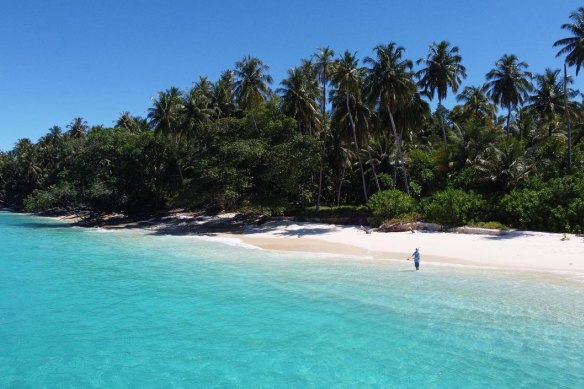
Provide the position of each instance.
(90, 308)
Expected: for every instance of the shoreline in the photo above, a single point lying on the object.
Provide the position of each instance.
(519, 250)
(514, 250)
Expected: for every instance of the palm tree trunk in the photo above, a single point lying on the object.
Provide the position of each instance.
(342, 178)
(319, 186)
(357, 147)
(175, 154)
(399, 150)
(323, 129)
(569, 128)
(395, 172)
(373, 166)
(508, 121)
(255, 123)
(442, 121)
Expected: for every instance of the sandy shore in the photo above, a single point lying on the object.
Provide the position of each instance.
(513, 250)
(516, 249)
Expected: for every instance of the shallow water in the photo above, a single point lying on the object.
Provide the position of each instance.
(91, 308)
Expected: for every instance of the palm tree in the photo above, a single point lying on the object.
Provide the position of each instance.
(3, 164)
(166, 118)
(323, 62)
(55, 133)
(573, 46)
(412, 116)
(251, 85)
(363, 118)
(165, 114)
(548, 99)
(442, 71)
(310, 72)
(390, 84)
(204, 86)
(346, 76)
(131, 123)
(509, 83)
(196, 111)
(504, 164)
(77, 128)
(222, 98)
(299, 98)
(476, 103)
(29, 168)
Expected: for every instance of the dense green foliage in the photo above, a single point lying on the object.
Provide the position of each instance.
(391, 203)
(335, 133)
(556, 205)
(454, 207)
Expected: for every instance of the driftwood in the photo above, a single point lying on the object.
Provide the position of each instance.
(413, 226)
(420, 226)
(478, 231)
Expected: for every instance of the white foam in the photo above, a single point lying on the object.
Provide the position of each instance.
(235, 242)
(228, 241)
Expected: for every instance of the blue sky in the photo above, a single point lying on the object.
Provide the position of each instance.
(66, 58)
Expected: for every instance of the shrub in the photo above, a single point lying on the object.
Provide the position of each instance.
(391, 203)
(491, 225)
(556, 205)
(385, 181)
(59, 195)
(454, 207)
(524, 208)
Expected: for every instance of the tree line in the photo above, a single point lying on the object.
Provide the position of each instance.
(337, 130)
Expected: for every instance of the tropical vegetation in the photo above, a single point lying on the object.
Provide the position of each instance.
(339, 131)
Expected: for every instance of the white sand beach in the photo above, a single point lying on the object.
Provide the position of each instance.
(539, 251)
(516, 249)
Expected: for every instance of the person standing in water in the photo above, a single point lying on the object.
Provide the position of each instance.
(416, 256)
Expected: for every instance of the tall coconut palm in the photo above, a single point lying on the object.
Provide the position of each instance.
(129, 122)
(362, 115)
(391, 85)
(310, 72)
(573, 46)
(30, 170)
(548, 99)
(299, 97)
(504, 164)
(196, 111)
(222, 95)
(476, 103)
(204, 86)
(166, 112)
(251, 85)
(323, 59)
(166, 118)
(346, 77)
(412, 115)
(132, 123)
(443, 71)
(55, 134)
(77, 128)
(509, 83)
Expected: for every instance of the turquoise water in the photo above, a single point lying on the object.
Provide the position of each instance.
(88, 308)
